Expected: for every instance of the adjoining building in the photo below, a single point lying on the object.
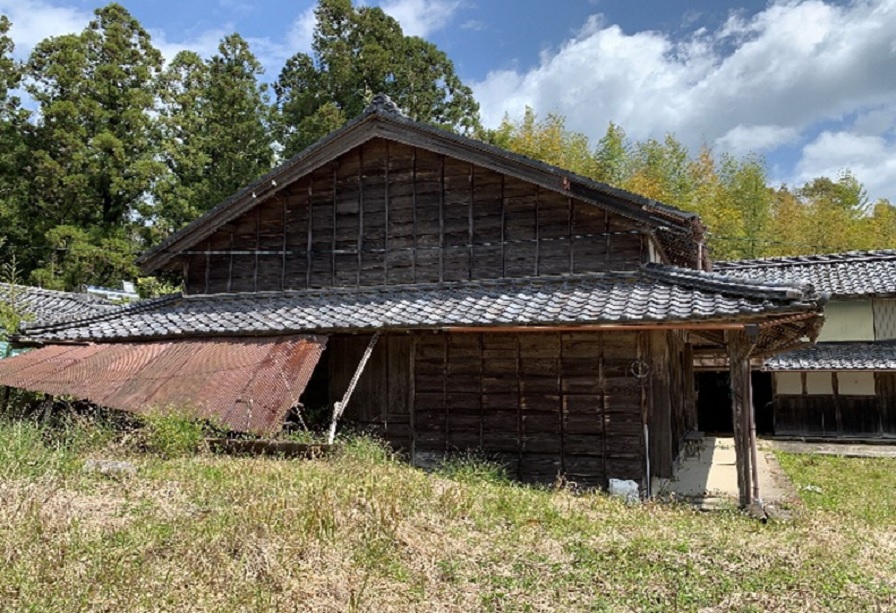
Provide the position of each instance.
(845, 385)
(41, 306)
(510, 306)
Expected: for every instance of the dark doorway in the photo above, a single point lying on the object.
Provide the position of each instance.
(714, 402)
(762, 402)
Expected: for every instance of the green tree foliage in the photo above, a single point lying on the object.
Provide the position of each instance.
(357, 53)
(214, 123)
(744, 215)
(13, 149)
(94, 150)
(239, 142)
(183, 190)
(547, 140)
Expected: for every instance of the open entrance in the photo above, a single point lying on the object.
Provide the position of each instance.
(714, 402)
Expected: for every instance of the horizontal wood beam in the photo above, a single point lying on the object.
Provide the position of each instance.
(597, 327)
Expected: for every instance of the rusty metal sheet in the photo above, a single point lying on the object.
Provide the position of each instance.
(246, 384)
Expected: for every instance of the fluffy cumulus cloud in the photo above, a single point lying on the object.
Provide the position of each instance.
(35, 20)
(421, 17)
(753, 84)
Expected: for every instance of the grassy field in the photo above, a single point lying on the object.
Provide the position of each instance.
(364, 532)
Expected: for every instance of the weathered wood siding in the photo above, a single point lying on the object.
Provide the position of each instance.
(382, 399)
(386, 213)
(544, 404)
(672, 412)
(837, 414)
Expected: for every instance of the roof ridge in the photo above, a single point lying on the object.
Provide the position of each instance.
(821, 258)
(134, 307)
(734, 285)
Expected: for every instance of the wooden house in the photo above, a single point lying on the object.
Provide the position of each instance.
(512, 307)
(845, 385)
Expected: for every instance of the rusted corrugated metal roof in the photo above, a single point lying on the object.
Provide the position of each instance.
(243, 383)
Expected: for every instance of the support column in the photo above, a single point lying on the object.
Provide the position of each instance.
(739, 348)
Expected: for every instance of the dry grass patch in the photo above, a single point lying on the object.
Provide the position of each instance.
(362, 531)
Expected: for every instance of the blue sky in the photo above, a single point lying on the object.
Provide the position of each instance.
(808, 84)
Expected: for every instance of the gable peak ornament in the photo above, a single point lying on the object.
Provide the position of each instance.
(383, 104)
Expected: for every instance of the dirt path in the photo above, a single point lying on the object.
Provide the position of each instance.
(706, 474)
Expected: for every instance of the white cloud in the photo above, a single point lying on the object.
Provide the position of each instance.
(741, 140)
(754, 83)
(204, 43)
(421, 17)
(301, 34)
(35, 20)
(872, 159)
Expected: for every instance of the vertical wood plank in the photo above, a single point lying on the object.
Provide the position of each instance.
(838, 405)
(520, 446)
(257, 247)
(739, 364)
(310, 235)
(572, 260)
(660, 422)
(441, 218)
(481, 346)
(470, 222)
(386, 237)
(360, 179)
(447, 354)
(283, 262)
(414, 212)
(561, 408)
(602, 389)
(606, 240)
(208, 262)
(230, 265)
(503, 229)
(333, 241)
(412, 399)
(537, 229)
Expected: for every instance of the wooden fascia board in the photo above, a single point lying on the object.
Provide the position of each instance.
(260, 191)
(554, 181)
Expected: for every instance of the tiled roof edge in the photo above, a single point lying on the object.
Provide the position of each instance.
(807, 260)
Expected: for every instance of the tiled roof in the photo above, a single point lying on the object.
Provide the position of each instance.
(854, 273)
(655, 293)
(46, 306)
(837, 356)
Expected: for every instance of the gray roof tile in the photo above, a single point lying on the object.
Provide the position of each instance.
(654, 293)
(837, 356)
(45, 305)
(854, 273)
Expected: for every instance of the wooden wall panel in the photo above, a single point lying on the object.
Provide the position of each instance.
(839, 414)
(544, 404)
(386, 213)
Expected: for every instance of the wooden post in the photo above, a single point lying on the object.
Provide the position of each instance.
(659, 414)
(739, 348)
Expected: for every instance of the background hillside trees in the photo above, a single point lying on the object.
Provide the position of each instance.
(355, 55)
(746, 216)
(115, 150)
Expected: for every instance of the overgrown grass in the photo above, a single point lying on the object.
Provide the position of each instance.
(854, 488)
(363, 531)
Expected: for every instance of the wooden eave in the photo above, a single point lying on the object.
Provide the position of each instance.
(644, 212)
